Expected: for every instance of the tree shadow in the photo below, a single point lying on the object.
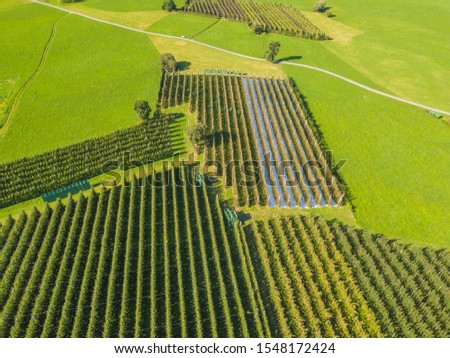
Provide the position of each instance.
(218, 137)
(289, 58)
(183, 65)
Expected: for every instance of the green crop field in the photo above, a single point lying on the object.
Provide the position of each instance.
(282, 243)
(159, 259)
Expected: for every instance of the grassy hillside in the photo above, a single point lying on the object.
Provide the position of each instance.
(92, 75)
(19, 62)
(397, 161)
(401, 45)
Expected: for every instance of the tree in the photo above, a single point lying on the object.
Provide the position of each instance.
(167, 62)
(143, 110)
(272, 50)
(320, 6)
(196, 134)
(168, 5)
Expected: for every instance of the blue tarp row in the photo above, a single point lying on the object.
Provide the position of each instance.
(63, 192)
(303, 204)
(272, 202)
(312, 202)
(279, 159)
(267, 143)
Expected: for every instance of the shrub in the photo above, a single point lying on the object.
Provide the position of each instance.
(143, 110)
(167, 62)
(196, 134)
(320, 6)
(168, 5)
(259, 29)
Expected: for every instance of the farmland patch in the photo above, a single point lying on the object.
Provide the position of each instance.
(158, 258)
(259, 140)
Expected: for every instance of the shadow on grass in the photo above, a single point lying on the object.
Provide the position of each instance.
(289, 58)
(183, 65)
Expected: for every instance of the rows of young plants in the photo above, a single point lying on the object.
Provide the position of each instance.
(407, 292)
(151, 258)
(260, 139)
(261, 17)
(322, 278)
(155, 258)
(30, 177)
(227, 9)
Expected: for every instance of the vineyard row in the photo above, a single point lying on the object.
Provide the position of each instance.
(262, 17)
(260, 139)
(152, 260)
(30, 177)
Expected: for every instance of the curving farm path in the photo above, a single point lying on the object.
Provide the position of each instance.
(28, 82)
(252, 58)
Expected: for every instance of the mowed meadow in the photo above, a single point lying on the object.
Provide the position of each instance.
(86, 87)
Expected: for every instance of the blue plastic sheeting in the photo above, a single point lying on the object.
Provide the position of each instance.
(267, 145)
(272, 202)
(302, 203)
(312, 201)
(323, 202)
(61, 193)
(292, 202)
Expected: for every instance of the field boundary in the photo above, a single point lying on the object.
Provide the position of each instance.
(30, 80)
(348, 80)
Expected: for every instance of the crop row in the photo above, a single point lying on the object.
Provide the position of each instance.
(262, 17)
(30, 177)
(325, 279)
(132, 261)
(259, 139)
(156, 259)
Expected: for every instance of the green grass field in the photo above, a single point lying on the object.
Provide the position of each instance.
(397, 158)
(392, 46)
(87, 87)
(21, 61)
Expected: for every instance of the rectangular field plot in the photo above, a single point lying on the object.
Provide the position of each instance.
(265, 17)
(259, 139)
(155, 258)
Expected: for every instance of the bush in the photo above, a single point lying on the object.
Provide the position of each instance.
(168, 5)
(167, 62)
(320, 6)
(259, 29)
(196, 134)
(143, 110)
